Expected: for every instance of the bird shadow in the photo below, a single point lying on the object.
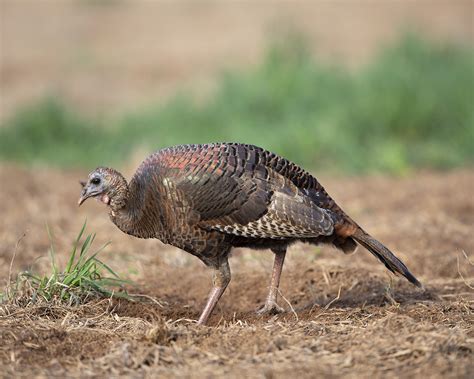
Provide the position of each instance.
(377, 294)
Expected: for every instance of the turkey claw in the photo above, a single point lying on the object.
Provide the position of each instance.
(271, 308)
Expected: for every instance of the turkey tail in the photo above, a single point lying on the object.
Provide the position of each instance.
(385, 256)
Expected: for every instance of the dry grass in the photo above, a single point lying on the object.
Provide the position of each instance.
(423, 336)
(347, 317)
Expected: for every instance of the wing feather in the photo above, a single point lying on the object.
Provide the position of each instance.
(233, 191)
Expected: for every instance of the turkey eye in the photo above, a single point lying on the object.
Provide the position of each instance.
(95, 180)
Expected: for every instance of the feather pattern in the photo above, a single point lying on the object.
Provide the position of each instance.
(206, 199)
(243, 190)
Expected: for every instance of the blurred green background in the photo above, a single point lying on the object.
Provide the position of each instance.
(408, 105)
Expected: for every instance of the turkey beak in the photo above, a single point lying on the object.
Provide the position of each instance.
(85, 194)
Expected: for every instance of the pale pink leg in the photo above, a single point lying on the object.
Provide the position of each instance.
(271, 305)
(220, 281)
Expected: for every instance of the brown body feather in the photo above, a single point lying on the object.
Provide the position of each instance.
(206, 199)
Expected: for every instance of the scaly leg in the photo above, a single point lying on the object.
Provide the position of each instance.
(220, 280)
(271, 305)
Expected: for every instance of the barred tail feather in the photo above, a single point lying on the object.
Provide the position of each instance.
(385, 256)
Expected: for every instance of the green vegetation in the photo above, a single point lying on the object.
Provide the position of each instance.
(82, 279)
(412, 106)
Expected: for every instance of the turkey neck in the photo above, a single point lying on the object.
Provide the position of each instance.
(129, 211)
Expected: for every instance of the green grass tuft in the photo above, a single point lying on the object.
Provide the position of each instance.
(85, 277)
(411, 107)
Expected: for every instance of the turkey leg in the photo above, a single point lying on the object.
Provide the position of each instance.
(271, 305)
(220, 280)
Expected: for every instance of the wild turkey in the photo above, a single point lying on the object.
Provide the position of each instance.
(206, 199)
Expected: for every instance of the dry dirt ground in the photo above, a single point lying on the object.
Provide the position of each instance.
(345, 315)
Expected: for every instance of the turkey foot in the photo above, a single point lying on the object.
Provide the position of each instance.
(270, 308)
